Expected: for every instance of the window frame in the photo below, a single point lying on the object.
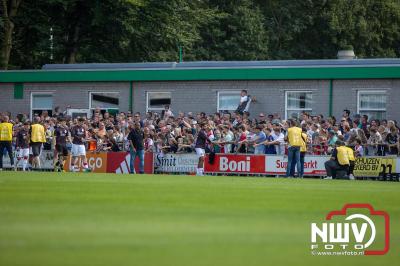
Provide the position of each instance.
(90, 100)
(152, 109)
(360, 92)
(237, 92)
(309, 110)
(33, 94)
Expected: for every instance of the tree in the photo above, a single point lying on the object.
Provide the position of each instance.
(371, 26)
(235, 32)
(164, 25)
(33, 33)
(8, 13)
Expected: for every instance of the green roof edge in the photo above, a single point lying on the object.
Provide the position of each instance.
(279, 73)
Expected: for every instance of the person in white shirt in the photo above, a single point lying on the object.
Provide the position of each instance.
(228, 139)
(244, 103)
(166, 113)
(279, 140)
(243, 97)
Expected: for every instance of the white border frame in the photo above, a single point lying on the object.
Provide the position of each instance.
(286, 95)
(50, 93)
(227, 91)
(364, 91)
(90, 100)
(147, 100)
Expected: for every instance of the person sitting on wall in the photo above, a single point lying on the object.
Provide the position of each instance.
(244, 103)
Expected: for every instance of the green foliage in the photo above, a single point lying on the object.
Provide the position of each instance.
(371, 26)
(153, 30)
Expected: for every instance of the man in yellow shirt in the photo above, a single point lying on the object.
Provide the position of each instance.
(294, 140)
(339, 162)
(6, 136)
(38, 137)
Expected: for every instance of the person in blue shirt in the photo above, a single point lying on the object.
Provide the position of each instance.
(259, 139)
(269, 148)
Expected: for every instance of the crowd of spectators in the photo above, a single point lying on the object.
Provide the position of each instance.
(231, 132)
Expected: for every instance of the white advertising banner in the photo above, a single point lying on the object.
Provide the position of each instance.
(175, 163)
(46, 160)
(313, 165)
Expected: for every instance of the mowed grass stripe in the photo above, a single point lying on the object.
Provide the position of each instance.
(106, 219)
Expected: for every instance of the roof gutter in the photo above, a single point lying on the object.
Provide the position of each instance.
(203, 74)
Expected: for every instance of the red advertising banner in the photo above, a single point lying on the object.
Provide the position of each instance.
(113, 162)
(118, 162)
(232, 163)
(262, 164)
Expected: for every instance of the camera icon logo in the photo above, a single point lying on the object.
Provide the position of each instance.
(353, 232)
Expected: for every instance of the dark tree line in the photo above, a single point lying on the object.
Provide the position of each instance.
(35, 32)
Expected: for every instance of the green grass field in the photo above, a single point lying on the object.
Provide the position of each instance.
(106, 219)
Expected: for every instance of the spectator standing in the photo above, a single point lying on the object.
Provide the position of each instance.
(269, 148)
(392, 140)
(259, 139)
(262, 119)
(135, 138)
(227, 139)
(374, 141)
(332, 138)
(242, 137)
(346, 115)
(278, 139)
(166, 113)
(137, 119)
(358, 149)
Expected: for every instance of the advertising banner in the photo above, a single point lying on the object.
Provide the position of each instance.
(313, 165)
(175, 163)
(113, 162)
(46, 160)
(235, 163)
(96, 161)
(118, 162)
(375, 166)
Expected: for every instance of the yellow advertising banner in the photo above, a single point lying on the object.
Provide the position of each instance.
(374, 166)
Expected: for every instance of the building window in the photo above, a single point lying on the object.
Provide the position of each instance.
(41, 102)
(298, 102)
(372, 103)
(106, 101)
(156, 101)
(228, 100)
